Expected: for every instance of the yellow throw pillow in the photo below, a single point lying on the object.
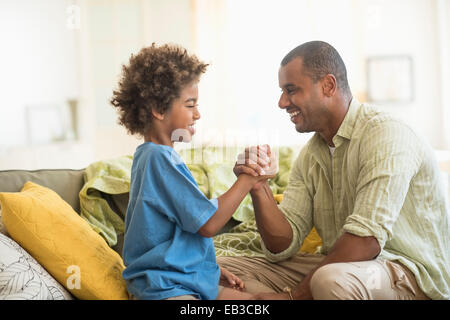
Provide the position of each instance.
(312, 241)
(64, 243)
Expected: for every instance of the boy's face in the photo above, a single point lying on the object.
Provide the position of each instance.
(181, 117)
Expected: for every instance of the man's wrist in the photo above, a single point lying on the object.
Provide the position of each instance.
(261, 191)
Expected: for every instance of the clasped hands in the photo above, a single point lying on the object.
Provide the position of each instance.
(257, 161)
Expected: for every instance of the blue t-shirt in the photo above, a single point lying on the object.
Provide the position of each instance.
(163, 254)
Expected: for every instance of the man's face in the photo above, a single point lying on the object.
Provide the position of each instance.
(301, 97)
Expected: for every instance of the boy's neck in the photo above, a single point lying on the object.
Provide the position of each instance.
(158, 139)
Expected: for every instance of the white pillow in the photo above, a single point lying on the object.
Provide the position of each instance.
(23, 278)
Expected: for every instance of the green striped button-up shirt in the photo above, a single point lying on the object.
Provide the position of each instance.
(382, 180)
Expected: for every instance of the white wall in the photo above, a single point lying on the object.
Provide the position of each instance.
(39, 66)
(443, 21)
(115, 30)
(409, 27)
(38, 61)
(259, 33)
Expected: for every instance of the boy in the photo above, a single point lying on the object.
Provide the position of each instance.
(168, 251)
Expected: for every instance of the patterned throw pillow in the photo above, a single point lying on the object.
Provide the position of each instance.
(2, 226)
(23, 278)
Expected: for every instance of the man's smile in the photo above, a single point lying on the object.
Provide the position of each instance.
(293, 113)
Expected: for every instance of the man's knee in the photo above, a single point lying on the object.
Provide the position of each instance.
(329, 283)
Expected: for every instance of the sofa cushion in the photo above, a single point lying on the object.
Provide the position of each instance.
(63, 242)
(65, 182)
(23, 278)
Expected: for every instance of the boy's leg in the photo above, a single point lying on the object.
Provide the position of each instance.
(378, 279)
(260, 275)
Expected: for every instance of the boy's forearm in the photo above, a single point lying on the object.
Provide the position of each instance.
(228, 203)
(275, 230)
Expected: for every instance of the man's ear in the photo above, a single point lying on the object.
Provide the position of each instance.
(329, 85)
(157, 115)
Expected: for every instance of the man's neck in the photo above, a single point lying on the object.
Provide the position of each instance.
(335, 121)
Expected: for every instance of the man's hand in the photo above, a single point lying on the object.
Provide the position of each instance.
(257, 161)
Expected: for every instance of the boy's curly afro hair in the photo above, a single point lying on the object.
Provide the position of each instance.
(152, 80)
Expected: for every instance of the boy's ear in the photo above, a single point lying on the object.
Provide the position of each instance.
(157, 115)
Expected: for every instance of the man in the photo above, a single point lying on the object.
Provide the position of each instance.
(367, 183)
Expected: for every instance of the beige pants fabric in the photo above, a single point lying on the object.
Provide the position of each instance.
(378, 279)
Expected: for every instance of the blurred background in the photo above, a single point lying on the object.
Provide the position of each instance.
(60, 60)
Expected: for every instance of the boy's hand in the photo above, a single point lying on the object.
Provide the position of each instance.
(228, 279)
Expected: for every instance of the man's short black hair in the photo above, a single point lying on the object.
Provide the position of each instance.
(319, 59)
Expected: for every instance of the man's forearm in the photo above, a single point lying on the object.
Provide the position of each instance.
(275, 230)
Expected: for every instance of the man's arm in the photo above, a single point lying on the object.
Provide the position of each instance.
(273, 227)
(275, 230)
(278, 234)
(347, 248)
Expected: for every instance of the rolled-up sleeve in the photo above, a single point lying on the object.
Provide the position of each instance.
(388, 162)
(297, 208)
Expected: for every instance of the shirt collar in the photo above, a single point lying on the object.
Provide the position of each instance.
(319, 148)
(346, 128)
(345, 131)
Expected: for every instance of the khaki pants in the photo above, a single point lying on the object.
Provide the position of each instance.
(369, 280)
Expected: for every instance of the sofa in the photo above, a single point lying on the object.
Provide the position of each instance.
(23, 274)
(48, 251)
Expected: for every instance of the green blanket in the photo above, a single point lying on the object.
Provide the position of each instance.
(212, 168)
(242, 240)
(110, 177)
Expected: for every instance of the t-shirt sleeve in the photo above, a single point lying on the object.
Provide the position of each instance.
(178, 195)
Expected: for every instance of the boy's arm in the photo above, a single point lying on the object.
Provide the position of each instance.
(228, 203)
